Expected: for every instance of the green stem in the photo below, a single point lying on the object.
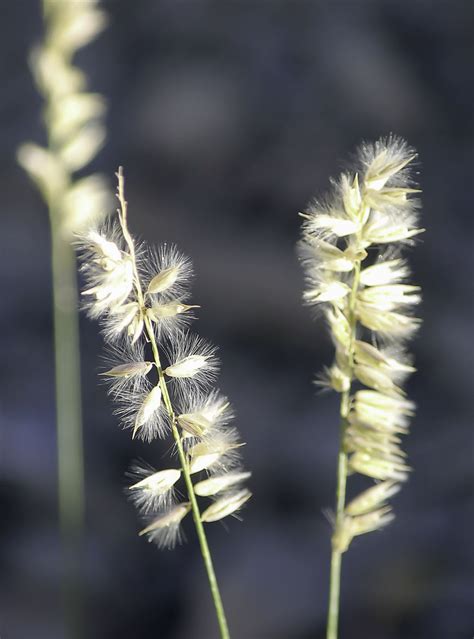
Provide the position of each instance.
(206, 554)
(68, 420)
(336, 555)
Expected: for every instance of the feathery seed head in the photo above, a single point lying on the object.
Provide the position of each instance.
(140, 294)
(72, 117)
(139, 314)
(351, 252)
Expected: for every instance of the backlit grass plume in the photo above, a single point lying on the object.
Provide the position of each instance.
(72, 117)
(161, 378)
(352, 251)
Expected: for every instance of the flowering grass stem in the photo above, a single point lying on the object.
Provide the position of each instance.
(204, 546)
(352, 251)
(336, 555)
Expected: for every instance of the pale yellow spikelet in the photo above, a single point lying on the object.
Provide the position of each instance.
(163, 280)
(149, 407)
(383, 230)
(186, 367)
(226, 505)
(380, 467)
(159, 312)
(161, 481)
(384, 160)
(387, 272)
(194, 424)
(131, 369)
(205, 416)
(335, 225)
(376, 379)
(367, 354)
(193, 362)
(349, 527)
(164, 530)
(218, 451)
(219, 483)
(154, 490)
(390, 296)
(372, 498)
(340, 381)
(328, 292)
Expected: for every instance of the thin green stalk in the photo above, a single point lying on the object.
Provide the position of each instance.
(69, 421)
(206, 554)
(336, 555)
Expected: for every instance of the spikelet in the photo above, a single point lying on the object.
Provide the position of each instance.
(227, 505)
(160, 377)
(220, 483)
(126, 367)
(202, 416)
(193, 364)
(72, 116)
(165, 529)
(351, 251)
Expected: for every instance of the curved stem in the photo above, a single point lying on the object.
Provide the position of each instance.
(69, 421)
(336, 556)
(206, 555)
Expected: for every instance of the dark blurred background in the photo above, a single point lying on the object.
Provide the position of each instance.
(228, 117)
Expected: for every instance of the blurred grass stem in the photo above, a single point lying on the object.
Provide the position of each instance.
(68, 421)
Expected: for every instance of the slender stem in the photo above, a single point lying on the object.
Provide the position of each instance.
(69, 421)
(336, 556)
(206, 554)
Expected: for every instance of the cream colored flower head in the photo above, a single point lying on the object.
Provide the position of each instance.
(351, 249)
(161, 378)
